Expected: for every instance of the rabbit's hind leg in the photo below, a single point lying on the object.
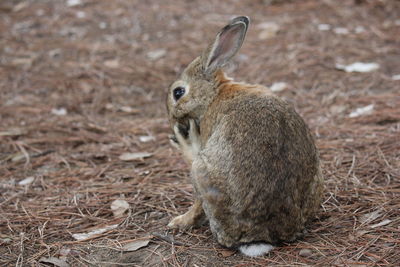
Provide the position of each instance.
(193, 217)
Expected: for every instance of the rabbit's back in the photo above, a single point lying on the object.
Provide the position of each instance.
(261, 166)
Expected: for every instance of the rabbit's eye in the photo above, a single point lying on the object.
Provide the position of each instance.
(178, 92)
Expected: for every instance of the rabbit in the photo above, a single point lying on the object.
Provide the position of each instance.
(254, 164)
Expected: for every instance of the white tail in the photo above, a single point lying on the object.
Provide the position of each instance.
(256, 250)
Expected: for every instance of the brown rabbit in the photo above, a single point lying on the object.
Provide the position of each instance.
(254, 164)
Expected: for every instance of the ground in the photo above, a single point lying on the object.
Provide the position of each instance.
(83, 82)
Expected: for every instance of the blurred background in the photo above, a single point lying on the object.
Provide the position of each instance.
(83, 126)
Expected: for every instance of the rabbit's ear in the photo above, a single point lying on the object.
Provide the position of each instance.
(226, 44)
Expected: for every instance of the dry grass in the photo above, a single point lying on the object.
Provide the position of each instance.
(93, 60)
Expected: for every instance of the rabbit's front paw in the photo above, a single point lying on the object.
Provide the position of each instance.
(189, 146)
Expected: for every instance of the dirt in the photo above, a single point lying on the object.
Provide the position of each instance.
(81, 83)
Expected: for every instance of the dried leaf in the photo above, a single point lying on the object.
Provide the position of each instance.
(358, 67)
(341, 30)
(94, 233)
(324, 27)
(135, 245)
(226, 253)
(27, 180)
(382, 223)
(362, 111)
(55, 52)
(12, 132)
(80, 14)
(96, 128)
(86, 87)
(20, 6)
(361, 233)
(5, 239)
(145, 138)
(369, 217)
(134, 156)
(396, 77)
(55, 261)
(337, 109)
(305, 252)
(64, 252)
(113, 63)
(17, 157)
(119, 206)
(268, 30)
(22, 61)
(59, 111)
(103, 25)
(110, 106)
(127, 109)
(156, 54)
(279, 86)
(359, 29)
(74, 2)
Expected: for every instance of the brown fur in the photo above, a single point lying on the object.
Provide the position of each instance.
(255, 168)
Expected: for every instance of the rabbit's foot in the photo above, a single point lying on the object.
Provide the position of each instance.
(194, 217)
(189, 146)
(181, 222)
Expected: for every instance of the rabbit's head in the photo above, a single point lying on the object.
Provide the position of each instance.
(190, 95)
